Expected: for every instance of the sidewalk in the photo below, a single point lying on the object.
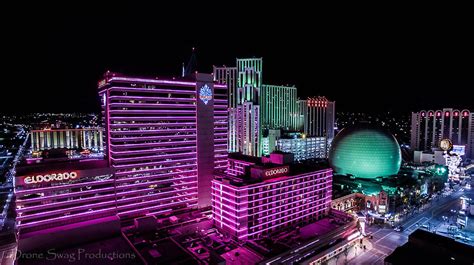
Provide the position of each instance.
(352, 253)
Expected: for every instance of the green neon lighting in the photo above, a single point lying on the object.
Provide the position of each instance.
(365, 152)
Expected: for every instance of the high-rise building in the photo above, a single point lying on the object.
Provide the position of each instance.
(57, 202)
(256, 109)
(247, 113)
(164, 137)
(428, 128)
(278, 107)
(256, 199)
(249, 81)
(86, 138)
(228, 76)
(303, 148)
(247, 116)
(317, 116)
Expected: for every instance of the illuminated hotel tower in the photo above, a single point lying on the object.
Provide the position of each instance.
(228, 75)
(164, 137)
(278, 107)
(86, 138)
(429, 127)
(317, 117)
(247, 112)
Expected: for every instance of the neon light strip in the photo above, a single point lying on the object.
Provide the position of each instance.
(226, 218)
(291, 192)
(225, 185)
(256, 214)
(141, 204)
(154, 118)
(67, 186)
(261, 205)
(141, 158)
(231, 227)
(158, 207)
(48, 221)
(155, 163)
(153, 150)
(148, 138)
(143, 145)
(155, 107)
(155, 170)
(154, 111)
(161, 131)
(152, 90)
(65, 195)
(158, 81)
(137, 185)
(260, 231)
(260, 185)
(101, 197)
(150, 98)
(154, 124)
(102, 204)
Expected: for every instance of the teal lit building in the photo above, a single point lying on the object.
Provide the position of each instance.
(278, 107)
(365, 151)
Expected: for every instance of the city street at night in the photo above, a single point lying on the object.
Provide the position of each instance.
(385, 240)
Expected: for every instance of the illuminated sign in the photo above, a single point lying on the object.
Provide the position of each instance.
(276, 172)
(55, 177)
(205, 94)
(445, 144)
(382, 208)
(459, 150)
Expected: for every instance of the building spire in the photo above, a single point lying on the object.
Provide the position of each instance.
(192, 65)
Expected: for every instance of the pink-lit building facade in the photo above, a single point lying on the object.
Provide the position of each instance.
(55, 198)
(165, 137)
(269, 197)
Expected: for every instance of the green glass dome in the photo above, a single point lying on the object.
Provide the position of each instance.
(365, 152)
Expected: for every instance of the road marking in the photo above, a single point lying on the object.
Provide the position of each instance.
(375, 262)
(414, 224)
(380, 245)
(383, 237)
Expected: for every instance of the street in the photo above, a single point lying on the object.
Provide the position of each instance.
(385, 240)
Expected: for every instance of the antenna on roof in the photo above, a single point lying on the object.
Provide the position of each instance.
(191, 67)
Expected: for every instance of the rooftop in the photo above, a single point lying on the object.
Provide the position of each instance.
(256, 172)
(424, 247)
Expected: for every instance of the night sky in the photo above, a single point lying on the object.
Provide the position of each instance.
(363, 63)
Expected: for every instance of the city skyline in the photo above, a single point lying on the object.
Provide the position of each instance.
(355, 69)
(199, 133)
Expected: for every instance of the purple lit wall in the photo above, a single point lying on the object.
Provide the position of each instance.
(153, 140)
(46, 198)
(255, 210)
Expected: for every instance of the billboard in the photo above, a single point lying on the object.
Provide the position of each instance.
(460, 150)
